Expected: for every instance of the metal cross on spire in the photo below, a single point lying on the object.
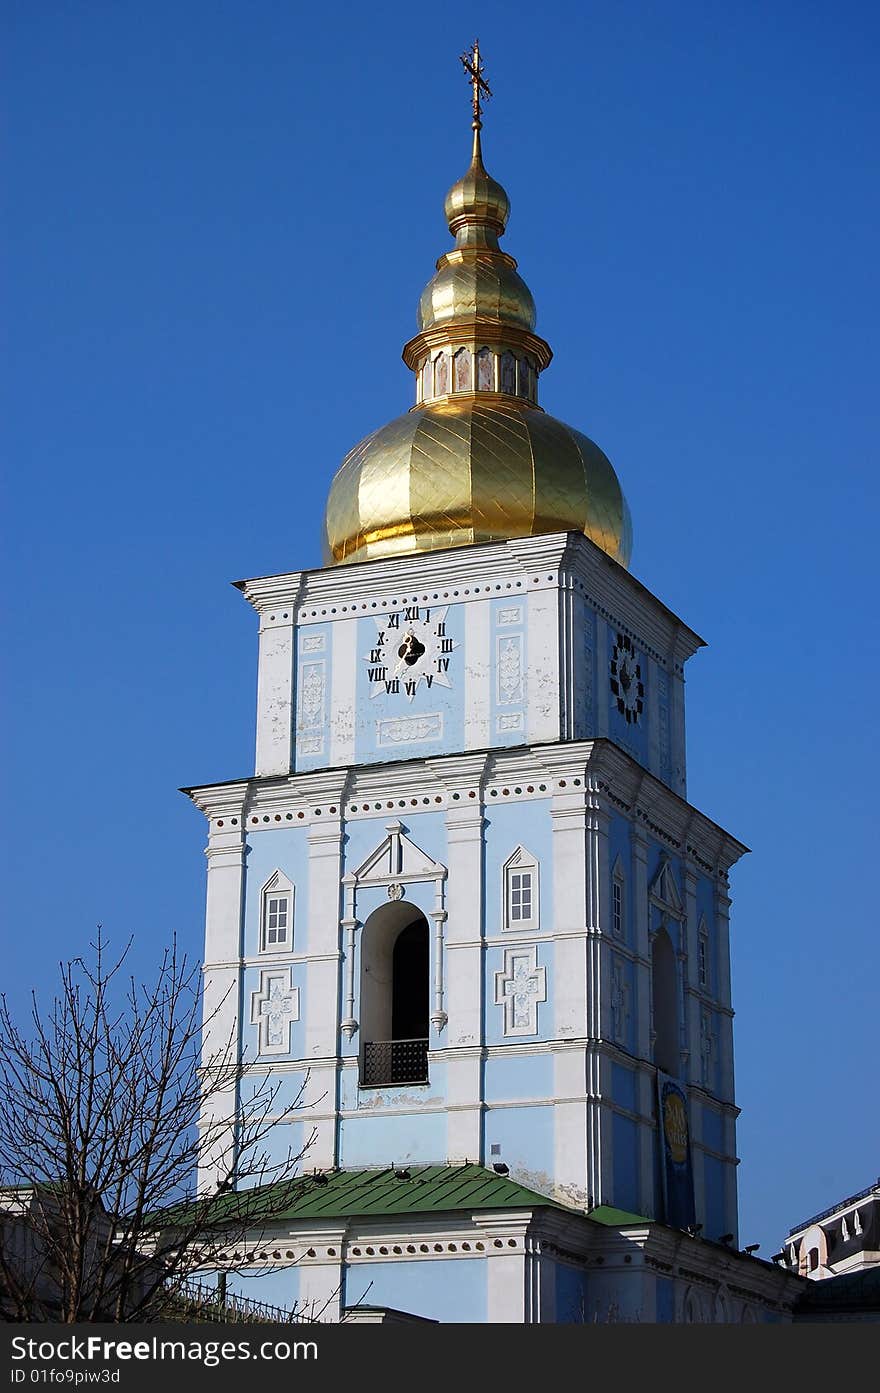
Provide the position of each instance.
(473, 66)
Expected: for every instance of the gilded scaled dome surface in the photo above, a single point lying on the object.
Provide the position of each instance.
(451, 473)
(476, 459)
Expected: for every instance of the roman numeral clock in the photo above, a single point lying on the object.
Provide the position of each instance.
(411, 647)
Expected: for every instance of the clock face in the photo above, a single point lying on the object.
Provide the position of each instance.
(411, 647)
(626, 679)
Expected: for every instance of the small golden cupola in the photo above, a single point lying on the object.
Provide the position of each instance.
(476, 459)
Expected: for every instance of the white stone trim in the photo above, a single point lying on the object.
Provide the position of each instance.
(519, 988)
(520, 862)
(277, 886)
(276, 990)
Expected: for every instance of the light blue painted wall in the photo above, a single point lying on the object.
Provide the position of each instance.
(520, 1076)
(584, 662)
(664, 1296)
(363, 835)
(285, 849)
(625, 1143)
(715, 1057)
(628, 977)
(285, 1085)
(713, 1129)
(526, 1138)
(398, 1096)
(389, 1139)
(507, 826)
(450, 1290)
(572, 1301)
(494, 958)
(286, 1142)
(509, 666)
(623, 1086)
(713, 1182)
(373, 703)
(280, 1287)
(313, 676)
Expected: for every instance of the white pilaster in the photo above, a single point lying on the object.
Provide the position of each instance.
(321, 1003)
(691, 985)
(464, 970)
(478, 675)
(646, 1078)
(343, 692)
(542, 676)
(275, 693)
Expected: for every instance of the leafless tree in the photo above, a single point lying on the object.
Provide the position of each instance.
(101, 1099)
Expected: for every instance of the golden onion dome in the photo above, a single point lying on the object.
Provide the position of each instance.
(454, 472)
(476, 459)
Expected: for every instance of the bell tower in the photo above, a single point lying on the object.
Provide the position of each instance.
(464, 893)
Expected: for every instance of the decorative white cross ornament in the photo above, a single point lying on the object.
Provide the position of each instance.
(519, 988)
(619, 1002)
(274, 1008)
(706, 1047)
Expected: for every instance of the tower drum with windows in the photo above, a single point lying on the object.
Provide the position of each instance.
(464, 893)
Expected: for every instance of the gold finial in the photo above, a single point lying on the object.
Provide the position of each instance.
(473, 66)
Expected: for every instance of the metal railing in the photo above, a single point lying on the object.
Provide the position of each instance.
(197, 1301)
(394, 1061)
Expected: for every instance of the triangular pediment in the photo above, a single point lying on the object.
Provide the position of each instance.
(398, 858)
(664, 889)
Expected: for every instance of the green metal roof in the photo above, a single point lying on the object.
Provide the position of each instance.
(616, 1218)
(402, 1189)
(396, 1190)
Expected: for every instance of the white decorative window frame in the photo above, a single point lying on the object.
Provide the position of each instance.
(394, 865)
(276, 887)
(703, 953)
(618, 889)
(521, 964)
(287, 997)
(520, 861)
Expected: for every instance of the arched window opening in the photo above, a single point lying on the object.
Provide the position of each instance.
(508, 373)
(462, 380)
(395, 995)
(409, 983)
(441, 375)
(663, 999)
(485, 371)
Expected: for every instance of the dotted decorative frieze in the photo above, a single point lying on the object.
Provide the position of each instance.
(393, 602)
(258, 819)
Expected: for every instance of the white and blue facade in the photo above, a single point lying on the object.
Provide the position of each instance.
(373, 809)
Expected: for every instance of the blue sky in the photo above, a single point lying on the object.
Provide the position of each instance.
(220, 216)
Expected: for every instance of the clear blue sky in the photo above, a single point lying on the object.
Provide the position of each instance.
(220, 216)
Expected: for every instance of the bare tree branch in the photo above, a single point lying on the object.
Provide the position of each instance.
(110, 1107)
